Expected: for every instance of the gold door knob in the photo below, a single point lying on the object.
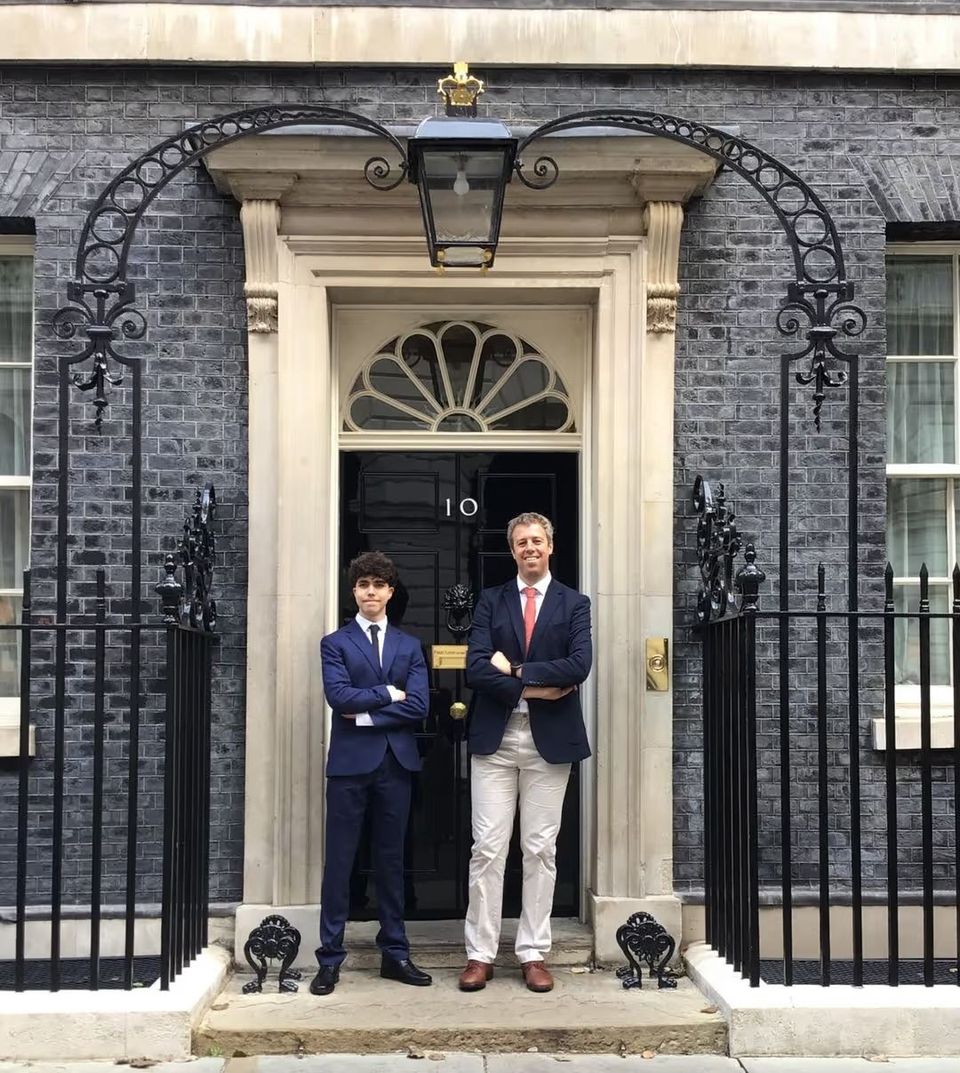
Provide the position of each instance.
(458, 710)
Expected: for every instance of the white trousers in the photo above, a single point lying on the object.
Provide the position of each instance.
(516, 768)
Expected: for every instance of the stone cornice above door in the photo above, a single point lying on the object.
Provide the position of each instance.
(605, 181)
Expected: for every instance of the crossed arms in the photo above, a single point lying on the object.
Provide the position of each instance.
(387, 710)
(489, 669)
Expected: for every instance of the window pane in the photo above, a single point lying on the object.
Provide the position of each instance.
(919, 305)
(10, 647)
(527, 379)
(545, 415)
(14, 537)
(389, 379)
(369, 412)
(420, 354)
(16, 308)
(917, 526)
(14, 422)
(907, 637)
(459, 345)
(920, 422)
(498, 354)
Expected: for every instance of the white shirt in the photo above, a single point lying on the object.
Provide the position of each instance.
(364, 719)
(541, 586)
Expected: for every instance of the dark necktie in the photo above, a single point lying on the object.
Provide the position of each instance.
(375, 639)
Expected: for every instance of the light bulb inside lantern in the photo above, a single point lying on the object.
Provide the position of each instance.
(461, 185)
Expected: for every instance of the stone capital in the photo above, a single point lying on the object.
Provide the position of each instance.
(261, 222)
(662, 221)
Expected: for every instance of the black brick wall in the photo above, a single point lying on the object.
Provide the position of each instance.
(876, 148)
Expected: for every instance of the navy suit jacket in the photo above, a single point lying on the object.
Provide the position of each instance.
(354, 683)
(561, 653)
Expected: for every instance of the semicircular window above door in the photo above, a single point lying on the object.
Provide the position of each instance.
(458, 376)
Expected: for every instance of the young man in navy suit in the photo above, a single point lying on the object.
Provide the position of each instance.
(530, 648)
(375, 680)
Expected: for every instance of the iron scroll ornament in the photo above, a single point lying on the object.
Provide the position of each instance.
(191, 603)
(274, 937)
(718, 543)
(645, 941)
(101, 297)
(818, 306)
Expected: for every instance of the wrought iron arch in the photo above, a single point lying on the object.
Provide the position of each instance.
(101, 296)
(819, 300)
(817, 309)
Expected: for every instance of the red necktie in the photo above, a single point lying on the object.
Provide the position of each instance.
(529, 617)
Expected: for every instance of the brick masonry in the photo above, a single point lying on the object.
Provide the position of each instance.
(877, 149)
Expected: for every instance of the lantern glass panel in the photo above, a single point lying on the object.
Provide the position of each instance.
(465, 190)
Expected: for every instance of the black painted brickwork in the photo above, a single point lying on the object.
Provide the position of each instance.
(877, 148)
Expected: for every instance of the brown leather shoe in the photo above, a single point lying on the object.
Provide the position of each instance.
(474, 977)
(536, 976)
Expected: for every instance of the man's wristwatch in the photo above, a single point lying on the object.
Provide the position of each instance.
(515, 670)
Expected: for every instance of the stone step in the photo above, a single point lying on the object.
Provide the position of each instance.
(438, 944)
(587, 1012)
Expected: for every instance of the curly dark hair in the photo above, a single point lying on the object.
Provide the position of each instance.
(372, 564)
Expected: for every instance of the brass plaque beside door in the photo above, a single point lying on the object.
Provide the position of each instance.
(658, 668)
(448, 657)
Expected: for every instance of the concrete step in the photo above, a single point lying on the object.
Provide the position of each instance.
(438, 944)
(587, 1012)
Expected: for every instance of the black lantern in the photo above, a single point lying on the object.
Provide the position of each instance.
(461, 166)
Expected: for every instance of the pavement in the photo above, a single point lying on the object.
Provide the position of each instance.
(439, 1062)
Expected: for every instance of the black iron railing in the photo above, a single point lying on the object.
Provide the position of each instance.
(186, 800)
(113, 798)
(835, 826)
(89, 802)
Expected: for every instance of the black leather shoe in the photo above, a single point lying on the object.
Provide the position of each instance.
(325, 980)
(405, 972)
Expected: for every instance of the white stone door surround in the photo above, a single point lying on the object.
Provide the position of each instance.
(316, 241)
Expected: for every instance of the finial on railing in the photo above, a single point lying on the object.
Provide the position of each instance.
(749, 579)
(191, 604)
(170, 590)
(718, 543)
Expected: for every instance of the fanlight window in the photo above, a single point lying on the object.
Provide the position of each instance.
(458, 377)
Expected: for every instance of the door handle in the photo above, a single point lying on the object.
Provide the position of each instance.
(458, 710)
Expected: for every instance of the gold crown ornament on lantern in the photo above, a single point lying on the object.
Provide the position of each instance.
(460, 90)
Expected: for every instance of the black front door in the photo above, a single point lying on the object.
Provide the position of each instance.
(442, 518)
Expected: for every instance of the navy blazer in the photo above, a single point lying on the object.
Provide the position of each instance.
(561, 653)
(353, 683)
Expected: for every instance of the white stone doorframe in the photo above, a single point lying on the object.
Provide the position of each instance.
(292, 283)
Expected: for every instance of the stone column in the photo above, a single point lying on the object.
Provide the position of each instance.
(634, 465)
(262, 809)
(663, 222)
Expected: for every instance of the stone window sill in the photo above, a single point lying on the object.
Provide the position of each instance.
(908, 728)
(10, 728)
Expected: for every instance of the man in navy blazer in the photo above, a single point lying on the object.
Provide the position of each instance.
(530, 649)
(375, 680)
